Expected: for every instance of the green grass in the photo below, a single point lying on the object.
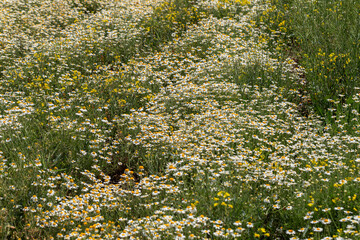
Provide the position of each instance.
(179, 119)
(323, 37)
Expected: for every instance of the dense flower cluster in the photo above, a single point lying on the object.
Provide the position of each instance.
(102, 141)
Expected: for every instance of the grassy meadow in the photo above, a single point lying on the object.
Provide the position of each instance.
(179, 119)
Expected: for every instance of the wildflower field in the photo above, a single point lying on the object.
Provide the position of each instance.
(179, 119)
